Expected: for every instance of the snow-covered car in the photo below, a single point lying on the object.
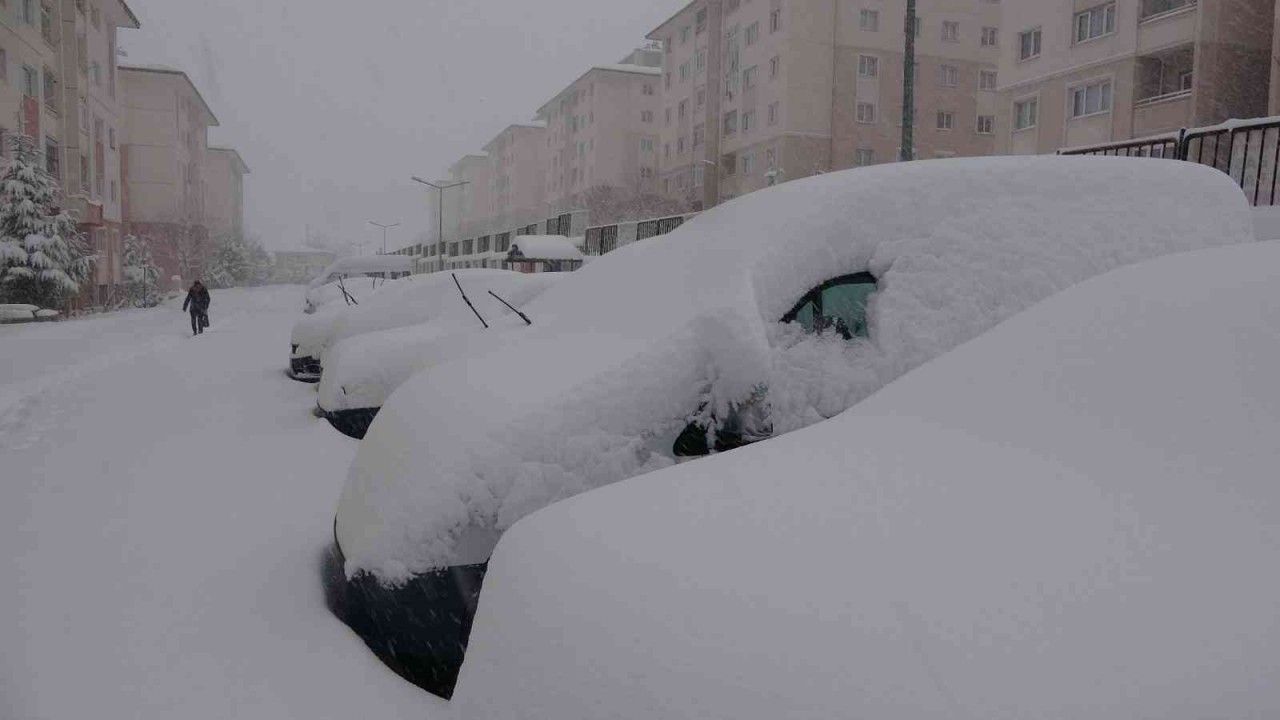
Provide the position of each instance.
(764, 315)
(1072, 516)
(341, 282)
(361, 372)
(411, 300)
(21, 313)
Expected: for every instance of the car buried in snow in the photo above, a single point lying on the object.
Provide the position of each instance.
(361, 371)
(764, 315)
(401, 303)
(1066, 517)
(340, 281)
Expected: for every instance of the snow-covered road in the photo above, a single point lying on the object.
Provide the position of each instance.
(164, 501)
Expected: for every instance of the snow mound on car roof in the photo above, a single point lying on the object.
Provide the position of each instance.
(1071, 516)
(362, 265)
(619, 357)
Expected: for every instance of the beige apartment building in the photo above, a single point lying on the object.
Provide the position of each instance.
(164, 166)
(517, 176)
(58, 84)
(224, 192)
(1094, 71)
(756, 92)
(602, 130)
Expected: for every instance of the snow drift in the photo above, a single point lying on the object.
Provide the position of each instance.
(622, 356)
(1071, 516)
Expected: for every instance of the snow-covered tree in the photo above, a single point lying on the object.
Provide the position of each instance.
(43, 259)
(141, 274)
(229, 263)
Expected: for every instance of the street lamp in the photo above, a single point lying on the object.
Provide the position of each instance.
(439, 203)
(384, 233)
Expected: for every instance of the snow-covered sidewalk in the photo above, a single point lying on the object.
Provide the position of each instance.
(164, 501)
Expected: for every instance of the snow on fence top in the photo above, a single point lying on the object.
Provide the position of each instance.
(364, 265)
(628, 349)
(546, 247)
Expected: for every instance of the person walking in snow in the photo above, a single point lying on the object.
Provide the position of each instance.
(197, 303)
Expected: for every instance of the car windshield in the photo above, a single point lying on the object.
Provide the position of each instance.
(839, 305)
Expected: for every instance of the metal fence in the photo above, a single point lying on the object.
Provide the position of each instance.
(1248, 151)
(602, 239)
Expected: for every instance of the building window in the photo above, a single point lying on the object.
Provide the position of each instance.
(701, 96)
(647, 89)
(986, 124)
(699, 132)
(948, 75)
(749, 78)
(29, 12)
(775, 21)
(51, 163)
(1091, 99)
(50, 90)
(646, 116)
(30, 84)
(987, 80)
(646, 145)
(1029, 44)
(950, 31)
(869, 20)
(95, 73)
(919, 25)
(4, 65)
(990, 37)
(684, 34)
(114, 191)
(753, 33)
(700, 22)
(682, 110)
(84, 173)
(748, 120)
(666, 81)
(946, 120)
(864, 156)
(666, 149)
(1025, 113)
(700, 60)
(774, 63)
(667, 113)
(773, 113)
(729, 163)
(868, 66)
(95, 17)
(866, 112)
(1095, 22)
(731, 122)
(698, 172)
(684, 71)
(680, 145)
(748, 162)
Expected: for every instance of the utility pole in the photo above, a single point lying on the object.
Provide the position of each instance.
(909, 84)
(384, 233)
(439, 205)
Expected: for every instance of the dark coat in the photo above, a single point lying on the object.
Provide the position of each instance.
(197, 299)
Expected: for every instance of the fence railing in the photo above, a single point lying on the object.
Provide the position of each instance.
(1248, 151)
(602, 239)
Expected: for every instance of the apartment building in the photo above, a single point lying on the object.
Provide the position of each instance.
(164, 164)
(517, 178)
(1095, 71)
(756, 92)
(224, 192)
(58, 84)
(602, 131)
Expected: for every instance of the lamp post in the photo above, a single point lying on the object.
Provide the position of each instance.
(439, 205)
(909, 84)
(384, 233)
(714, 166)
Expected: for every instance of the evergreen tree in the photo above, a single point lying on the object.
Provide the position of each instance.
(141, 274)
(43, 260)
(229, 265)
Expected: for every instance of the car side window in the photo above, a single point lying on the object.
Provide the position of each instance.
(838, 305)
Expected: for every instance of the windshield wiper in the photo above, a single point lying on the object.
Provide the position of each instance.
(523, 317)
(468, 301)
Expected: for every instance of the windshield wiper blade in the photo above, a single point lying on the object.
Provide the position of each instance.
(523, 317)
(468, 301)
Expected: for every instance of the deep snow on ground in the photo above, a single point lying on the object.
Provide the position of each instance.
(163, 503)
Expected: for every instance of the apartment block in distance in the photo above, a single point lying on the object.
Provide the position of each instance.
(58, 85)
(517, 176)
(164, 157)
(602, 131)
(756, 92)
(224, 192)
(1095, 71)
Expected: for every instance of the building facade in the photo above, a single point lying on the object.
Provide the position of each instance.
(756, 92)
(1093, 71)
(164, 171)
(224, 192)
(602, 132)
(516, 175)
(59, 85)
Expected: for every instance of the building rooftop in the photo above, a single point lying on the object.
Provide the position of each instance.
(244, 169)
(166, 70)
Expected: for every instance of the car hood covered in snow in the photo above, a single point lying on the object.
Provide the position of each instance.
(1072, 516)
(621, 357)
(411, 301)
(360, 372)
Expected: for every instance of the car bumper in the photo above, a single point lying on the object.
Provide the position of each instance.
(418, 629)
(352, 423)
(304, 368)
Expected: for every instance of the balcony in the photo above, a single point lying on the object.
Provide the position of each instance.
(1163, 88)
(1164, 23)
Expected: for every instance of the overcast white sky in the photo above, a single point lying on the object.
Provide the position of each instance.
(334, 105)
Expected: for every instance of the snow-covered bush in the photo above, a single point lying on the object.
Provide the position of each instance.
(141, 274)
(43, 259)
